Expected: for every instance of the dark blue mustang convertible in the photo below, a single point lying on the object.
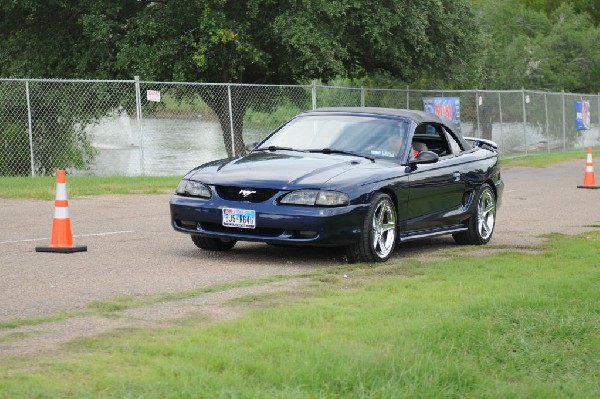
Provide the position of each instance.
(359, 178)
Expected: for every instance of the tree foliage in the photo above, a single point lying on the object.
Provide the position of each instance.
(540, 45)
(253, 41)
(505, 44)
(591, 7)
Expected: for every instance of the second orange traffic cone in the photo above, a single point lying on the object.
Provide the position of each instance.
(62, 237)
(589, 180)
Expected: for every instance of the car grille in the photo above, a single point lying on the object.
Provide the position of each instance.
(253, 194)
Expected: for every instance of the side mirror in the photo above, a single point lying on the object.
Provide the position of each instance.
(252, 145)
(424, 157)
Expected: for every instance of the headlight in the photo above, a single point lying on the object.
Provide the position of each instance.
(315, 197)
(193, 188)
(332, 198)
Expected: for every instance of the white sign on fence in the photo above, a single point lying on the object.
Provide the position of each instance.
(153, 95)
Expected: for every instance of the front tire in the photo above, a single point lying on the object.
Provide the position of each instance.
(212, 244)
(378, 238)
(481, 224)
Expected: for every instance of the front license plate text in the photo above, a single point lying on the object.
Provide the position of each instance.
(241, 218)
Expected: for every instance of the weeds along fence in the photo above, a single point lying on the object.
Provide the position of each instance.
(135, 127)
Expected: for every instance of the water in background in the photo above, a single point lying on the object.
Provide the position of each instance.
(171, 147)
(167, 146)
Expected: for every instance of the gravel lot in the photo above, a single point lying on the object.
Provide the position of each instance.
(132, 250)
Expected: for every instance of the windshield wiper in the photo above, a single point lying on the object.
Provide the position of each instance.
(277, 148)
(334, 151)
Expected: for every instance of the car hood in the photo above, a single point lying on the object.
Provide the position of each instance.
(282, 170)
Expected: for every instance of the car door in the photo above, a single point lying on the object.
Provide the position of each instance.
(436, 190)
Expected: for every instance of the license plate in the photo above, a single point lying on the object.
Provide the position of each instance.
(241, 218)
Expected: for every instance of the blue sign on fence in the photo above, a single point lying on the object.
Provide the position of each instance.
(582, 115)
(447, 107)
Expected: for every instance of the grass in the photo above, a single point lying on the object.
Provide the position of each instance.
(44, 187)
(118, 304)
(503, 326)
(541, 160)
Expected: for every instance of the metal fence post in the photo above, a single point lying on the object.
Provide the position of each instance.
(564, 118)
(362, 96)
(138, 111)
(582, 136)
(314, 94)
(524, 120)
(547, 125)
(501, 121)
(231, 120)
(407, 97)
(476, 111)
(30, 128)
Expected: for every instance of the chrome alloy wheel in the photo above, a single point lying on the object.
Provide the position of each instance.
(383, 233)
(486, 213)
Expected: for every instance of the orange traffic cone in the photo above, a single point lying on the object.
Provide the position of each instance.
(589, 181)
(62, 238)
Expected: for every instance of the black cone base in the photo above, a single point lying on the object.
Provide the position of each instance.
(63, 250)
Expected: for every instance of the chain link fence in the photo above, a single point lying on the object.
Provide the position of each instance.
(163, 128)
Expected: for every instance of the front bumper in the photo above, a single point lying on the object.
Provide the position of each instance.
(286, 224)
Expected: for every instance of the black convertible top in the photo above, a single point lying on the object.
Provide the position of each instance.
(417, 116)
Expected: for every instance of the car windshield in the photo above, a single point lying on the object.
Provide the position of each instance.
(370, 136)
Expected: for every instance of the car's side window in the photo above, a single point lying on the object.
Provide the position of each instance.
(433, 137)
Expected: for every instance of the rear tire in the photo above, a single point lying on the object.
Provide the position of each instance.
(481, 224)
(378, 238)
(213, 244)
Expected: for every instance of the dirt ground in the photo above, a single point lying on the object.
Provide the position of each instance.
(133, 251)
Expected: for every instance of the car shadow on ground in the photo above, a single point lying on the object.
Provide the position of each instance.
(260, 253)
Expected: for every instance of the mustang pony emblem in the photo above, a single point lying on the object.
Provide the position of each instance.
(247, 193)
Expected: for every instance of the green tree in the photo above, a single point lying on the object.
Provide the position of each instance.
(538, 45)
(63, 39)
(591, 7)
(567, 56)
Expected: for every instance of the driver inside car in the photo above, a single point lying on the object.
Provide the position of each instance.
(418, 147)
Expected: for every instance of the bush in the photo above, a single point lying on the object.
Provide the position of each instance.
(14, 144)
